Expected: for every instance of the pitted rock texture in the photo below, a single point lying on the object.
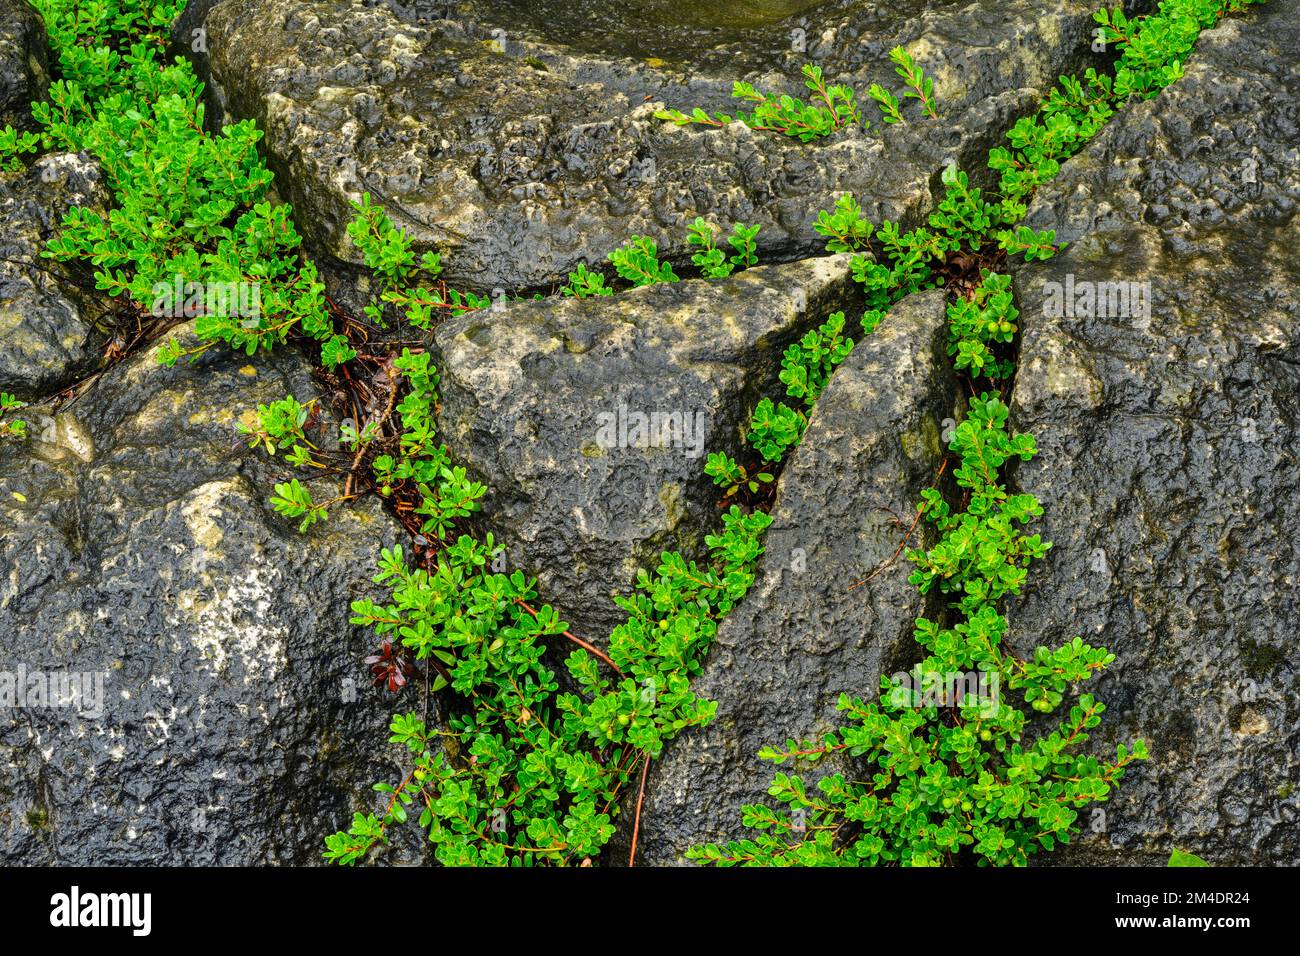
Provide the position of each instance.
(226, 716)
(543, 401)
(699, 33)
(1168, 465)
(24, 62)
(804, 635)
(48, 314)
(519, 165)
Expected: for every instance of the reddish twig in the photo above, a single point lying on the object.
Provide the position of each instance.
(636, 823)
(906, 538)
(577, 640)
(361, 445)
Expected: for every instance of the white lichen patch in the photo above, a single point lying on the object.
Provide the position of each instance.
(237, 627)
(1252, 722)
(68, 432)
(1065, 374)
(10, 590)
(200, 510)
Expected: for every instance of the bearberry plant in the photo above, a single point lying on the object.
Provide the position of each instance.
(188, 206)
(532, 766)
(919, 86)
(11, 427)
(830, 109)
(530, 769)
(925, 782)
(966, 781)
(637, 262)
(713, 262)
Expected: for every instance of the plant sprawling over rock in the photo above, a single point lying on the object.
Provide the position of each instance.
(954, 772)
(532, 765)
(951, 769)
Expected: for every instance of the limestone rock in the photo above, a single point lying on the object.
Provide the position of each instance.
(1167, 412)
(519, 158)
(562, 407)
(801, 637)
(48, 314)
(24, 62)
(224, 714)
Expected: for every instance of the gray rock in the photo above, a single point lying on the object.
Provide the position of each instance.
(705, 44)
(24, 62)
(707, 37)
(1168, 465)
(801, 637)
(227, 716)
(48, 314)
(520, 165)
(538, 399)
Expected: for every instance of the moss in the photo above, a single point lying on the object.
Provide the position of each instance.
(923, 443)
(480, 333)
(1261, 661)
(326, 746)
(38, 818)
(673, 500)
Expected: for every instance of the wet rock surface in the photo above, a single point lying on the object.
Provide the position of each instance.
(519, 159)
(664, 31)
(225, 716)
(48, 315)
(24, 62)
(1167, 440)
(803, 635)
(562, 407)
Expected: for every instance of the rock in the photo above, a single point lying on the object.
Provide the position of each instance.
(1167, 415)
(24, 62)
(664, 33)
(801, 637)
(707, 44)
(48, 314)
(225, 716)
(542, 401)
(519, 165)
